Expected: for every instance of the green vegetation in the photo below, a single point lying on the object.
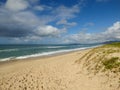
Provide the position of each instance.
(116, 44)
(111, 63)
(104, 57)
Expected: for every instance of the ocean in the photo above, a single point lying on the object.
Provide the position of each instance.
(14, 52)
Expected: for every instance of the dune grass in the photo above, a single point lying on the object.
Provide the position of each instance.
(102, 58)
(103, 61)
(111, 63)
(116, 44)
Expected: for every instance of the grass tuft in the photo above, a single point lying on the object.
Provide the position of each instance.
(111, 63)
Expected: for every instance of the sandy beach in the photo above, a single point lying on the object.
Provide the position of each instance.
(59, 72)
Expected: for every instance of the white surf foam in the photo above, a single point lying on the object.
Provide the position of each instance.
(55, 46)
(9, 50)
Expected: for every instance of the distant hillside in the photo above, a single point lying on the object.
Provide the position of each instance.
(103, 61)
(109, 42)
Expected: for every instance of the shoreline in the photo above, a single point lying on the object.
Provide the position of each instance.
(56, 53)
(40, 57)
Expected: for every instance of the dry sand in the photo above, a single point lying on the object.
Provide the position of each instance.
(58, 72)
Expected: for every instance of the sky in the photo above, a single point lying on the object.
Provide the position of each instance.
(59, 21)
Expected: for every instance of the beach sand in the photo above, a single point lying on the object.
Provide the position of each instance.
(59, 72)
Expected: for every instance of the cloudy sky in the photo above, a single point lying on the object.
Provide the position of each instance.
(59, 21)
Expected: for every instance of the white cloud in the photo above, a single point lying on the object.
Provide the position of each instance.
(42, 33)
(66, 23)
(28, 18)
(47, 30)
(19, 20)
(16, 5)
(63, 14)
(66, 12)
(112, 33)
(40, 8)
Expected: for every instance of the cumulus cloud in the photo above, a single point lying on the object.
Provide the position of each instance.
(24, 20)
(17, 21)
(13, 31)
(47, 31)
(16, 5)
(112, 33)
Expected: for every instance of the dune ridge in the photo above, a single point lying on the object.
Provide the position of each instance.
(103, 62)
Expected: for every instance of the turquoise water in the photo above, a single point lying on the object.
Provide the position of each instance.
(8, 52)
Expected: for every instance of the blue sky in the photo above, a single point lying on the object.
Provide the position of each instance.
(59, 21)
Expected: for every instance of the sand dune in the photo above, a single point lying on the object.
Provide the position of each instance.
(61, 72)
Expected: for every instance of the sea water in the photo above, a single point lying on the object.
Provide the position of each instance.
(11, 52)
